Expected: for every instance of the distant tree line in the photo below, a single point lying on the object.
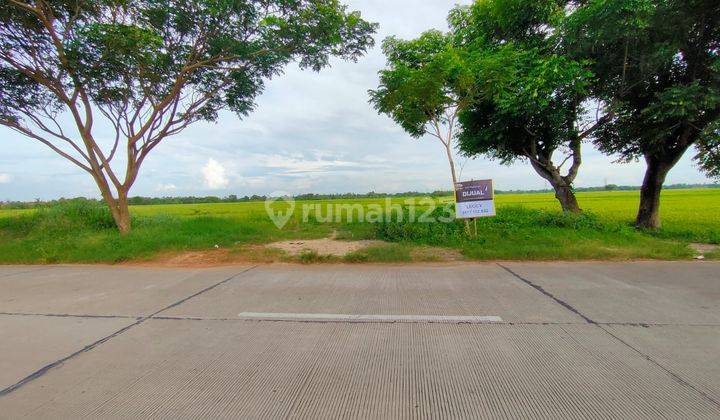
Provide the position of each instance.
(232, 198)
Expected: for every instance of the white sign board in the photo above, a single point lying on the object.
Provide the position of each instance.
(474, 199)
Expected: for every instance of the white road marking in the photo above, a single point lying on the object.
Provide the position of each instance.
(279, 316)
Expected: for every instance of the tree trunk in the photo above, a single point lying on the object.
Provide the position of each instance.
(119, 207)
(122, 214)
(566, 196)
(563, 189)
(451, 161)
(448, 150)
(648, 216)
(658, 166)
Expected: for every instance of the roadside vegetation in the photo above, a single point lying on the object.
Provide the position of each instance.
(528, 227)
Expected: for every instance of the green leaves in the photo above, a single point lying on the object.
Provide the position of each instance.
(120, 52)
(520, 22)
(708, 156)
(528, 99)
(425, 76)
(105, 57)
(657, 62)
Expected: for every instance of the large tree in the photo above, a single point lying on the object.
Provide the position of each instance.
(657, 63)
(708, 156)
(149, 68)
(530, 104)
(531, 110)
(425, 86)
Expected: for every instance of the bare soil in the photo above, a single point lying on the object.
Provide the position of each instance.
(287, 251)
(325, 246)
(704, 248)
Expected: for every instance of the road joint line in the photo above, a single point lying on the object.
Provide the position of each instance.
(601, 326)
(45, 369)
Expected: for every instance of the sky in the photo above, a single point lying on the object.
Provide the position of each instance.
(310, 132)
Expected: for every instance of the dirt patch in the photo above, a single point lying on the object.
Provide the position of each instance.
(213, 257)
(704, 248)
(326, 246)
(303, 250)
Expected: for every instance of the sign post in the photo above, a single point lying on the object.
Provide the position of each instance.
(474, 199)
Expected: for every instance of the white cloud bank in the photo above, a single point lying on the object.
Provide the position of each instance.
(166, 187)
(5, 178)
(215, 176)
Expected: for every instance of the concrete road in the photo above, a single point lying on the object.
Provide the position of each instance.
(509, 340)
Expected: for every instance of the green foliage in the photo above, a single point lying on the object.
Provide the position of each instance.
(520, 233)
(508, 221)
(151, 68)
(386, 253)
(125, 52)
(312, 257)
(530, 97)
(499, 21)
(530, 100)
(425, 77)
(657, 63)
(708, 155)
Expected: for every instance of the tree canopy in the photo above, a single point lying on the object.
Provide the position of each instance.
(427, 82)
(150, 68)
(531, 95)
(657, 65)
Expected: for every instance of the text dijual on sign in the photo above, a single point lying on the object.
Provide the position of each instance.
(474, 199)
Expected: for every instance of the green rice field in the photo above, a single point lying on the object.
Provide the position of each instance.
(528, 226)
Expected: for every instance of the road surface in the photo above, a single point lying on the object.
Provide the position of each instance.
(507, 340)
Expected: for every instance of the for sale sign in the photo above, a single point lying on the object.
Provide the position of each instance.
(474, 199)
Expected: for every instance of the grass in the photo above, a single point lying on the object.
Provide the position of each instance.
(528, 226)
(531, 234)
(381, 254)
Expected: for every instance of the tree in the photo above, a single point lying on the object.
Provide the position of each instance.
(531, 101)
(151, 68)
(530, 111)
(657, 66)
(427, 83)
(708, 156)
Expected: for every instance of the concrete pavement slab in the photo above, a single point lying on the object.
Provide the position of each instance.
(691, 352)
(11, 270)
(102, 290)
(28, 343)
(247, 369)
(638, 292)
(463, 289)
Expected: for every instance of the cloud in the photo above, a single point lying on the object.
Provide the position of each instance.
(5, 178)
(214, 173)
(299, 165)
(166, 187)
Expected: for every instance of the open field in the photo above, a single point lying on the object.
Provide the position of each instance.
(528, 226)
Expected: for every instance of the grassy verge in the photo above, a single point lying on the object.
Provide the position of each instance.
(525, 234)
(528, 227)
(78, 231)
(713, 256)
(81, 231)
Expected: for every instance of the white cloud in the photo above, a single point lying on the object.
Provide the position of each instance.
(214, 173)
(5, 178)
(299, 165)
(166, 187)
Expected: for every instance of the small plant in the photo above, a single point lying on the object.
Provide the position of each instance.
(309, 256)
